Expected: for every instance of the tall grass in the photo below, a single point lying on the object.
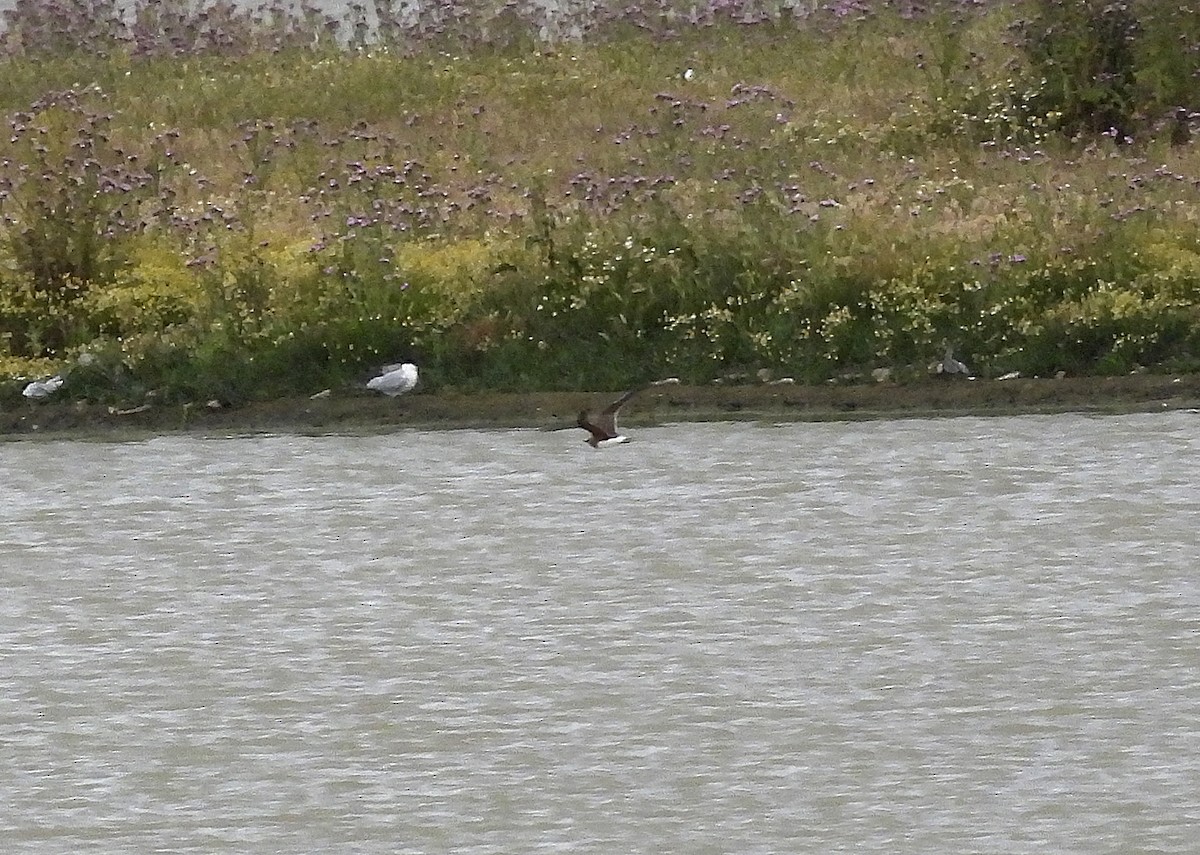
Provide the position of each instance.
(252, 204)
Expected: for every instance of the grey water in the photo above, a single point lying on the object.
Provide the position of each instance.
(925, 636)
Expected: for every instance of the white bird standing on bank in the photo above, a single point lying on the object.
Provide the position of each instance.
(603, 425)
(395, 379)
(41, 389)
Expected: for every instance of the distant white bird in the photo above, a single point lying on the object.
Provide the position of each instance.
(395, 379)
(950, 365)
(41, 389)
(602, 425)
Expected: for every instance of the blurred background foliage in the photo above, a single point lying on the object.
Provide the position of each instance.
(212, 201)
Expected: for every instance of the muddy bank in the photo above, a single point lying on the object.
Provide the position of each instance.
(355, 411)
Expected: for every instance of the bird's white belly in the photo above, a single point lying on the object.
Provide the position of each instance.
(613, 440)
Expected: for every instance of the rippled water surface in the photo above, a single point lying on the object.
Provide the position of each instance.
(943, 636)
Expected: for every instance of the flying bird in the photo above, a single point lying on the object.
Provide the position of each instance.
(602, 425)
(395, 379)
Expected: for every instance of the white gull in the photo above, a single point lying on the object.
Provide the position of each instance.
(395, 379)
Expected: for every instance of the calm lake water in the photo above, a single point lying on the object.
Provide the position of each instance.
(925, 636)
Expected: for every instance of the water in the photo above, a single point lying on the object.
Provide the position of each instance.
(926, 636)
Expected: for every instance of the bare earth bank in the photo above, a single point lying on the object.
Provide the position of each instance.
(356, 412)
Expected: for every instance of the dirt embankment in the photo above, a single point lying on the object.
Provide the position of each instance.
(362, 412)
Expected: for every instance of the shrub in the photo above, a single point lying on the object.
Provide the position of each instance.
(1110, 67)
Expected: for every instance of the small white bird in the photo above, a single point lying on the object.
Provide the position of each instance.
(395, 379)
(603, 425)
(41, 389)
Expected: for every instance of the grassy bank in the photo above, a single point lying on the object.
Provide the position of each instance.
(355, 411)
(236, 208)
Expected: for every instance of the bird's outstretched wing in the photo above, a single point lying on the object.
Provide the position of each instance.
(606, 419)
(611, 409)
(585, 422)
(602, 424)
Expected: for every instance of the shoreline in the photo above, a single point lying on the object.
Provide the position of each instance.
(357, 411)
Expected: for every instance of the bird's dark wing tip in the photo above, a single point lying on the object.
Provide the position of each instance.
(617, 404)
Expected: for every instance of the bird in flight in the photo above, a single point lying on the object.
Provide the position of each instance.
(395, 379)
(602, 425)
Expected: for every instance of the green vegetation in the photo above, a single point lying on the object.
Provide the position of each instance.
(816, 195)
